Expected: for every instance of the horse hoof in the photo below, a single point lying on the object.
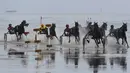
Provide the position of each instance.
(104, 51)
(88, 41)
(96, 46)
(128, 46)
(99, 42)
(84, 52)
(118, 43)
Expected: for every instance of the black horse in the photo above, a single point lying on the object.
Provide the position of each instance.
(120, 33)
(19, 29)
(52, 32)
(89, 26)
(97, 33)
(74, 31)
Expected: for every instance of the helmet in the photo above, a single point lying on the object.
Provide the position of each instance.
(10, 24)
(112, 26)
(90, 23)
(67, 25)
(42, 25)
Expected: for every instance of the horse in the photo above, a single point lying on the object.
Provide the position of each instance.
(52, 32)
(120, 33)
(97, 33)
(19, 29)
(74, 31)
(103, 28)
(89, 26)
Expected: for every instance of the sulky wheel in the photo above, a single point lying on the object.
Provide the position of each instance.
(83, 45)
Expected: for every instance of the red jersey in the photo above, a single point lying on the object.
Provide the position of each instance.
(10, 28)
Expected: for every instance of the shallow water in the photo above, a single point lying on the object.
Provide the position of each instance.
(65, 59)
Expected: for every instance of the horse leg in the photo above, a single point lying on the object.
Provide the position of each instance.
(126, 42)
(47, 36)
(78, 38)
(17, 36)
(51, 37)
(84, 39)
(117, 39)
(69, 39)
(96, 41)
(20, 36)
(122, 41)
(103, 42)
(84, 45)
(61, 39)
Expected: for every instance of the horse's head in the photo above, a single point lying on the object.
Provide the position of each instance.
(24, 23)
(53, 25)
(76, 24)
(90, 23)
(124, 26)
(104, 26)
(96, 25)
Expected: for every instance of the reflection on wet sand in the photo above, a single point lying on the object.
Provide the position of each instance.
(96, 62)
(120, 50)
(45, 59)
(120, 61)
(72, 55)
(21, 55)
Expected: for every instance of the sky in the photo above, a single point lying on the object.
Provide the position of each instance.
(113, 10)
(65, 6)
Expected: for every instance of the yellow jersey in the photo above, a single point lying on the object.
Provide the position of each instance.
(42, 27)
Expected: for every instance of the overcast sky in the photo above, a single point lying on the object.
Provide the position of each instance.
(66, 6)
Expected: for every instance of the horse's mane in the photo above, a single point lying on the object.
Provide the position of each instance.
(103, 26)
(120, 29)
(96, 25)
(123, 27)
